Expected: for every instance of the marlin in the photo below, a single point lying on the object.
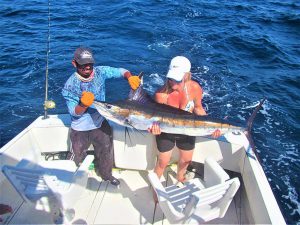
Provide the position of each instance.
(139, 111)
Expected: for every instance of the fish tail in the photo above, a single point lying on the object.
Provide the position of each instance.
(249, 127)
(253, 115)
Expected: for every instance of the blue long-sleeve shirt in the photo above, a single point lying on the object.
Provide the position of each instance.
(91, 118)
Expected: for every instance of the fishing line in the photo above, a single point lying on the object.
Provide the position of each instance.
(14, 213)
(127, 134)
(241, 189)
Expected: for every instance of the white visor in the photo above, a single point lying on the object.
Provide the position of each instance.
(178, 67)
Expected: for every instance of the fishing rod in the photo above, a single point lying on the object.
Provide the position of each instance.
(48, 104)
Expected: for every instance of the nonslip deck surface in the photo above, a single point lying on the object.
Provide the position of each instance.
(102, 203)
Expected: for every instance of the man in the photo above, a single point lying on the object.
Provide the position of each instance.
(88, 126)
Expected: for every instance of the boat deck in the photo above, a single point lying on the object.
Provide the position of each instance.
(130, 203)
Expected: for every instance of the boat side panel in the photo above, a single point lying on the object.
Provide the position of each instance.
(134, 149)
(138, 150)
(26, 148)
(22, 148)
(226, 154)
(264, 207)
(52, 139)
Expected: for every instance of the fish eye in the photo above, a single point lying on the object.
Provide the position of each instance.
(108, 106)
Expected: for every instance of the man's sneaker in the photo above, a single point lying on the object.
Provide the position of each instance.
(114, 181)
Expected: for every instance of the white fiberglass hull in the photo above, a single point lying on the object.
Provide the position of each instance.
(133, 203)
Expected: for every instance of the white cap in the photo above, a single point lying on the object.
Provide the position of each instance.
(178, 67)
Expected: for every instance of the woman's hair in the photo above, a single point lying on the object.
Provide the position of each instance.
(166, 87)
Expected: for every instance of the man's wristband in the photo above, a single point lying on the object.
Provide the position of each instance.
(83, 106)
(127, 74)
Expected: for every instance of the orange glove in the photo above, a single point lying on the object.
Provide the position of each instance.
(134, 82)
(87, 98)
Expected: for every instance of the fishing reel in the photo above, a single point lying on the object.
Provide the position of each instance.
(49, 104)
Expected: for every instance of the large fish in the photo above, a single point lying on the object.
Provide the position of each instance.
(139, 111)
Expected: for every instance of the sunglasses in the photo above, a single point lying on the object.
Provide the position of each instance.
(88, 66)
(175, 81)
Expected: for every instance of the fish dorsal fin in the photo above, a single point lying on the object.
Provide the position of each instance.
(140, 95)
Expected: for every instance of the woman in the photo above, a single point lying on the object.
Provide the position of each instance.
(181, 92)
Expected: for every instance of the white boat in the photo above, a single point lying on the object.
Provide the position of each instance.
(132, 202)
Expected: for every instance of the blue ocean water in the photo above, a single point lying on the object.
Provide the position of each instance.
(241, 51)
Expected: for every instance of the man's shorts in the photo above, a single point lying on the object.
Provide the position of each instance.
(165, 142)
